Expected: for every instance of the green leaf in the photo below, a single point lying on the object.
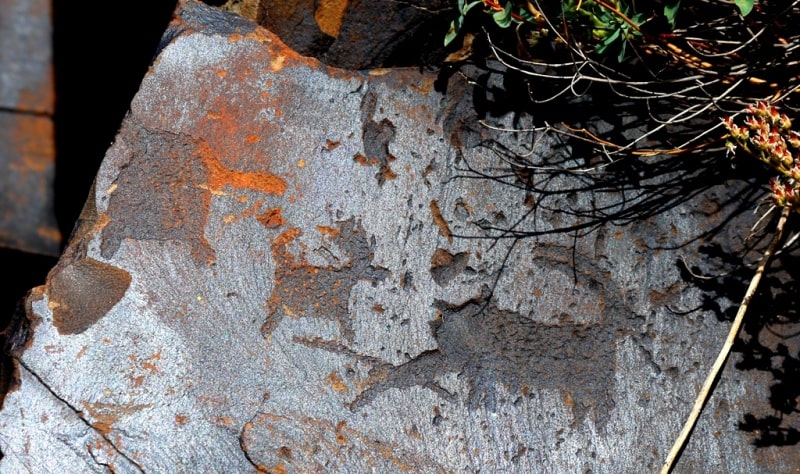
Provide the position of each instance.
(455, 25)
(745, 6)
(526, 15)
(621, 54)
(671, 12)
(453, 31)
(600, 48)
(503, 18)
(466, 8)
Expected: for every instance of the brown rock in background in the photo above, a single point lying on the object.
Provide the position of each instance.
(27, 148)
(356, 34)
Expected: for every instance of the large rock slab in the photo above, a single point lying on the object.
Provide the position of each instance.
(285, 267)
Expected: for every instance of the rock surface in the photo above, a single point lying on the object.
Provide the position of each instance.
(286, 267)
(27, 148)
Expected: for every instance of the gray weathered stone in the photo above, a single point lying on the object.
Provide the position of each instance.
(275, 271)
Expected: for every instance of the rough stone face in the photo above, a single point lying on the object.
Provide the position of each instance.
(27, 148)
(286, 267)
(356, 34)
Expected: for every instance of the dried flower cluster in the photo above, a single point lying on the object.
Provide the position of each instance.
(767, 135)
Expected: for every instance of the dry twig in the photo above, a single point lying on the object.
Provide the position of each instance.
(702, 397)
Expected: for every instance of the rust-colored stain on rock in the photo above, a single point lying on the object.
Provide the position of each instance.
(83, 291)
(329, 14)
(271, 218)
(439, 220)
(303, 290)
(334, 380)
(106, 414)
(328, 231)
(181, 174)
(220, 176)
(295, 442)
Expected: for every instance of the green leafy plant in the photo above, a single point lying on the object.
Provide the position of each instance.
(606, 23)
(609, 22)
(504, 15)
(745, 6)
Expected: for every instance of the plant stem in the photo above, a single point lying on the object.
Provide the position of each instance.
(619, 14)
(702, 397)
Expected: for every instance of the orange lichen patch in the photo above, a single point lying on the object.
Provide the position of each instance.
(568, 400)
(284, 239)
(331, 145)
(226, 421)
(328, 231)
(81, 292)
(329, 15)
(334, 380)
(441, 223)
(364, 161)
(150, 366)
(181, 419)
(106, 414)
(425, 86)
(226, 130)
(81, 352)
(276, 63)
(285, 452)
(301, 163)
(379, 71)
(276, 469)
(147, 363)
(222, 73)
(387, 174)
(103, 446)
(388, 453)
(252, 139)
(341, 439)
(220, 176)
(252, 209)
(441, 258)
(257, 34)
(271, 218)
(322, 438)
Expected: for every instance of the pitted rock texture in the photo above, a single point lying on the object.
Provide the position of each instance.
(304, 269)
